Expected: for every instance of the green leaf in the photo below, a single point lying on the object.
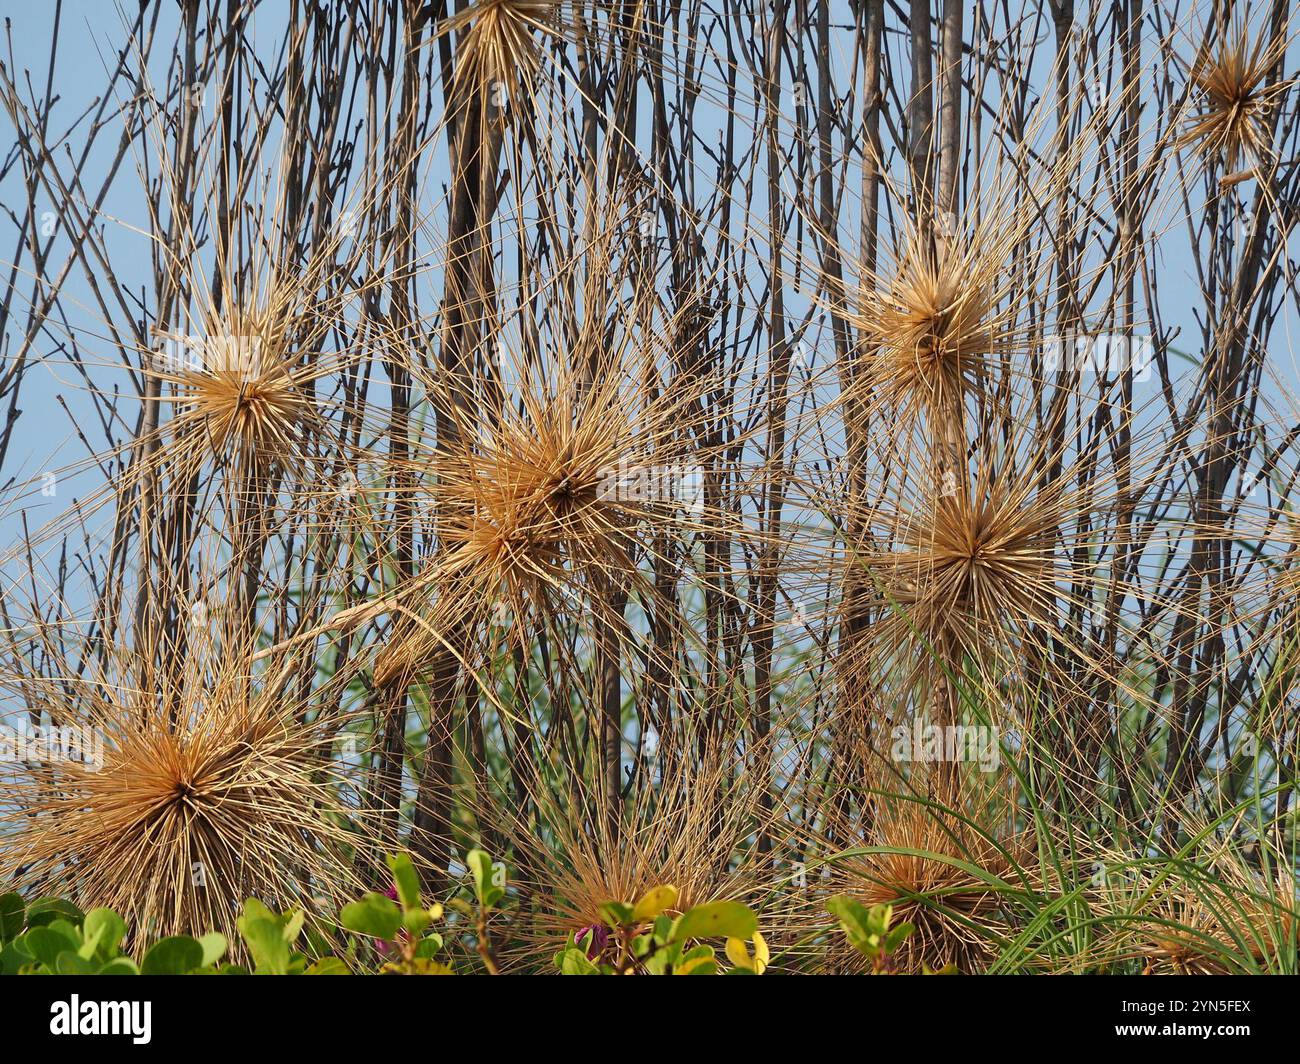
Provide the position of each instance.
(69, 963)
(374, 915)
(854, 919)
(406, 879)
(14, 955)
(265, 940)
(616, 913)
(46, 910)
(214, 948)
(102, 929)
(47, 942)
(269, 936)
(574, 962)
(480, 865)
(174, 955)
(327, 966)
(120, 966)
(725, 919)
(657, 963)
(897, 936)
(699, 961)
(254, 909)
(415, 921)
(13, 916)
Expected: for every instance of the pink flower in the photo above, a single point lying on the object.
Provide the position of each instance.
(599, 939)
(385, 948)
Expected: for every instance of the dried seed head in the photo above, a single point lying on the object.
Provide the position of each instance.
(234, 799)
(956, 913)
(969, 570)
(1236, 100)
(500, 47)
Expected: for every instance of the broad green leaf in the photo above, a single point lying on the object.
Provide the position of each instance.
(406, 879)
(120, 966)
(174, 955)
(47, 942)
(480, 866)
(13, 915)
(716, 919)
(266, 944)
(327, 966)
(739, 955)
(14, 955)
(374, 915)
(214, 948)
(697, 966)
(574, 962)
(897, 936)
(616, 913)
(44, 910)
(654, 902)
(854, 919)
(415, 921)
(69, 963)
(256, 910)
(102, 929)
(429, 945)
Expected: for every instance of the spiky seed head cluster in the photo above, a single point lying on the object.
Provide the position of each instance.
(679, 849)
(248, 400)
(932, 329)
(543, 506)
(561, 488)
(969, 569)
(956, 914)
(499, 48)
(693, 829)
(184, 819)
(527, 504)
(1222, 921)
(1236, 99)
